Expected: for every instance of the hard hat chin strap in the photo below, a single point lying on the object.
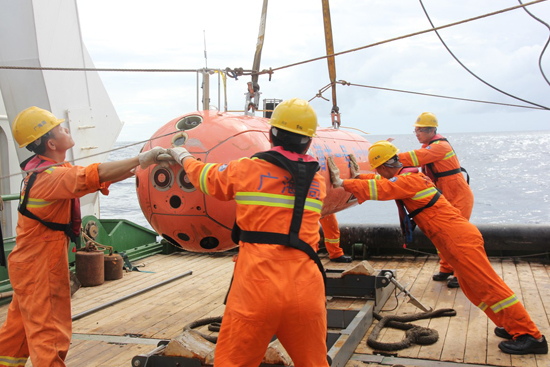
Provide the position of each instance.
(35, 144)
(39, 145)
(289, 137)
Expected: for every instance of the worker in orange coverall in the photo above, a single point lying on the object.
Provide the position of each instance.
(331, 232)
(456, 238)
(440, 163)
(39, 322)
(277, 287)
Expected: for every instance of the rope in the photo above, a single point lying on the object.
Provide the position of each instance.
(414, 334)
(405, 36)
(343, 82)
(214, 322)
(90, 156)
(353, 128)
(545, 45)
(236, 72)
(471, 72)
(92, 245)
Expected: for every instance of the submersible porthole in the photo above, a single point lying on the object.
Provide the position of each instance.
(184, 183)
(189, 122)
(175, 201)
(183, 237)
(209, 243)
(162, 178)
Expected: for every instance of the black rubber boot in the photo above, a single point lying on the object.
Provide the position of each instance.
(342, 259)
(453, 283)
(439, 277)
(524, 344)
(502, 333)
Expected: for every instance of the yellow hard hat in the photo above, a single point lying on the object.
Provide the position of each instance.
(31, 124)
(380, 152)
(426, 119)
(295, 115)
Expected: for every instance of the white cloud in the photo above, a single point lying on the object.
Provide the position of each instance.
(503, 49)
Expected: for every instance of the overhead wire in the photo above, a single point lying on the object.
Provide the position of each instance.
(468, 70)
(405, 36)
(240, 71)
(545, 45)
(235, 73)
(90, 156)
(343, 82)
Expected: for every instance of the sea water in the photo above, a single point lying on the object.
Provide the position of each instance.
(509, 176)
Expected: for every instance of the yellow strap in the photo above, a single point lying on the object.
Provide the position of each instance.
(12, 361)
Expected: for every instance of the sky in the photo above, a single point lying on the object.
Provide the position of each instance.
(503, 50)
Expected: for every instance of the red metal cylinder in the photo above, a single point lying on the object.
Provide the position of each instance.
(90, 268)
(113, 266)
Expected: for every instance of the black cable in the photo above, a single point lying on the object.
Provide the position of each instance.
(545, 46)
(468, 70)
(433, 95)
(396, 302)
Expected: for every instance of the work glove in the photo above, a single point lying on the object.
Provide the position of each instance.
(179, 154)
(334, 173)
(150, 157)
(353, 166)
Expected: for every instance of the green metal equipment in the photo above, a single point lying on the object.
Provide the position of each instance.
(135, 241)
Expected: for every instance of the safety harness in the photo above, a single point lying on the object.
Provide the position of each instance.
(71, 229)
(302, 173)
(406, 220)
(429, 169)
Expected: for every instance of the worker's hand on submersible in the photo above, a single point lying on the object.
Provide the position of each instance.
(179, 154)
(334, 173)
(151, 157)
(353, 166)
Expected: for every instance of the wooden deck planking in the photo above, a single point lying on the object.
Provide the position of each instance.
(454, 347)
(511, 278)
(426, 291)
(540, 274)
(406, 276)
(133, 282)
(149, 314)
(152, 270)
(445, 298)
(531, 301)
(475, 351)
(161, 313)
(494, 355)
(409, 278)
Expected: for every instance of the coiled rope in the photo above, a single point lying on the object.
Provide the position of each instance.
(414, 334)
(214, 325)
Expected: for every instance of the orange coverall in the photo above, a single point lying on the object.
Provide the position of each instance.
(332, 236)
(454, 187)
(39, 322)
(457, 239)
(276, 289)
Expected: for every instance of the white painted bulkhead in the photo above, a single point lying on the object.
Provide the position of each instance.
(46, 34)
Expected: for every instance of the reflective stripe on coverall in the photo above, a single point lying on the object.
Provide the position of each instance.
(39, 322)
(276, 289)
(454, 187)
(332, 236)
(458, 240)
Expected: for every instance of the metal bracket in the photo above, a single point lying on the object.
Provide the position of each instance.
(357, 285)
